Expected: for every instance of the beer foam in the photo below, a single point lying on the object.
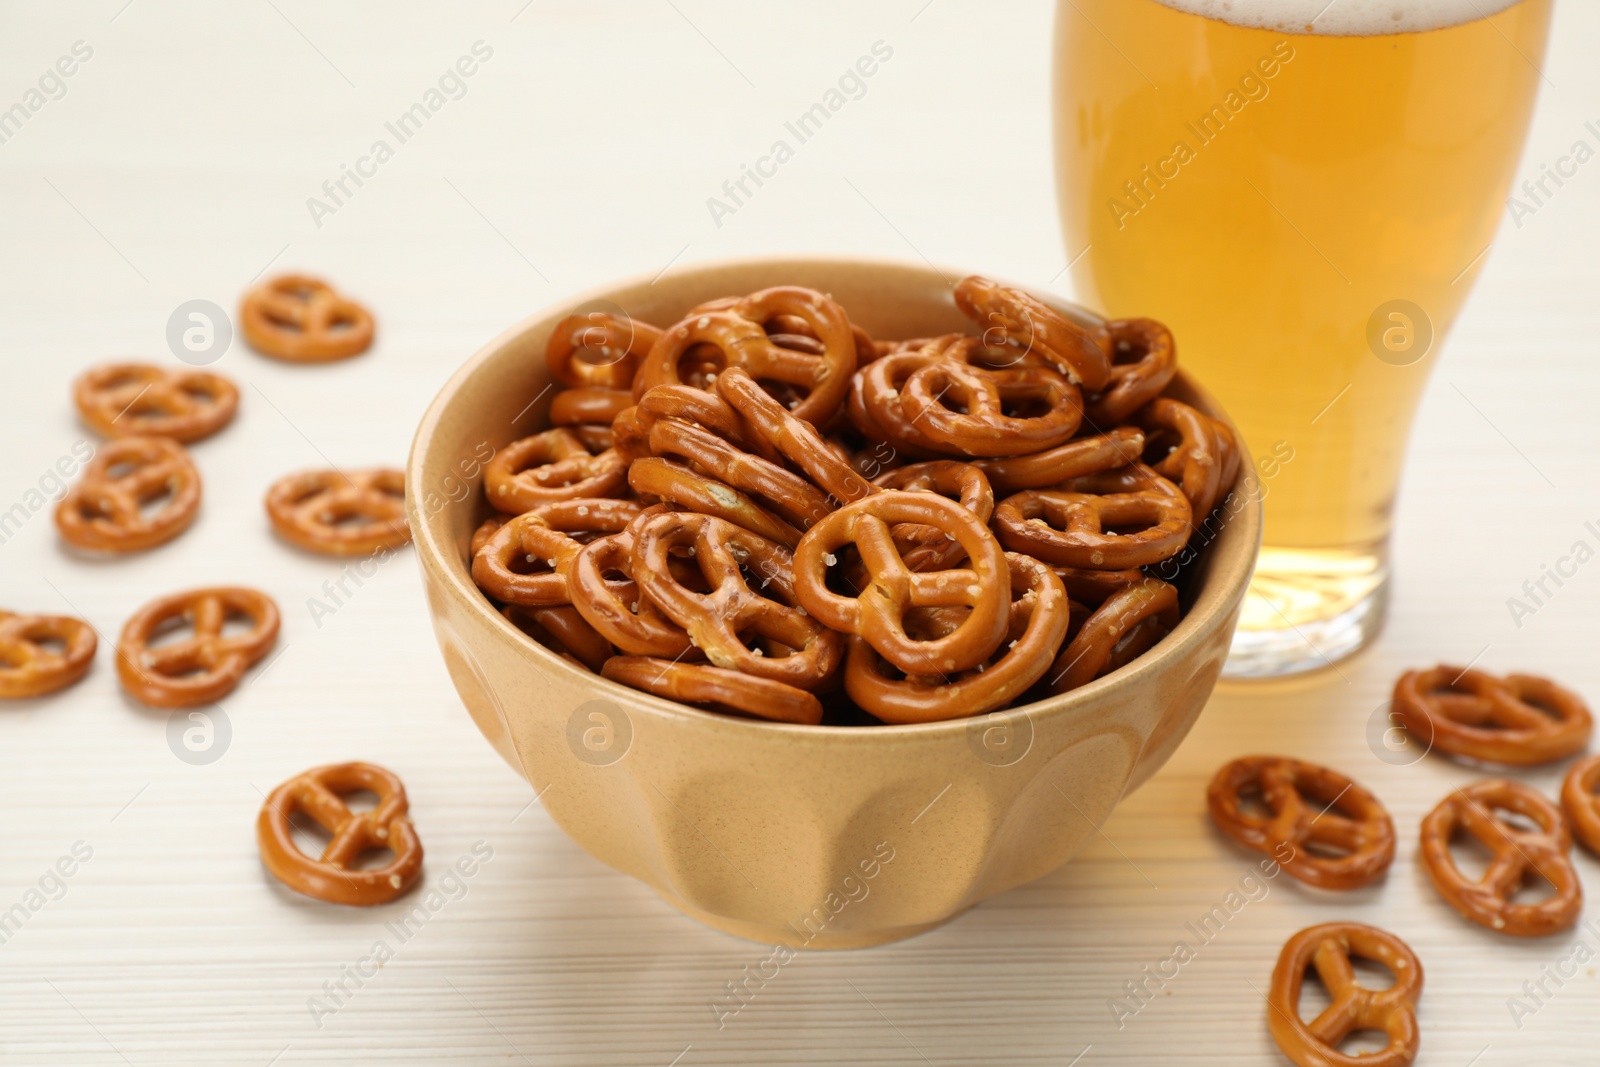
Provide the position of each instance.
(1343, 18)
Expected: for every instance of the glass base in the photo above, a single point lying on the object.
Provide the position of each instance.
(1307, 609)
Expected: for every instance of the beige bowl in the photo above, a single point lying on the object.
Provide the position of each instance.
(824, 837)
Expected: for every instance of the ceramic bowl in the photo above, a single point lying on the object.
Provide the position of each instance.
(823, 837)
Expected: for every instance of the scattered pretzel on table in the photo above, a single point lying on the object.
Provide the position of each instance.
(1520, 720)
(1328, 949)
(302, 319)
(136, 399)
(29, 664)
(762, 510)
(1310, 805)
(208, 664)
(339, 513)
(106, 510)
(1519, 855)
(1579, 802)
(333, 876)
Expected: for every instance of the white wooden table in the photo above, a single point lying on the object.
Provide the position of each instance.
(177, 165)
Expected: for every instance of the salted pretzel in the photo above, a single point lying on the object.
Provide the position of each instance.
(205, 666)
(968, 410)
(601, 582)
(877, 612)
(794, 438)
(136, 399)
(520, 561)
(1094, 587)
(562, 630)
(738, 338)
(1310, 805)
(875, 407)
(927, 548)
(553, 465)
(1520, 720)
(1199, 453)
(1580, 803)
(30, 665)
(334, 876)
(303, 320)
(775, 488)
(1519, 855)
(1085, 455)
(598, 349)
(725, 621)
(717, 687)
(106, 510)
(653, 476)
(1027, 323)
(339, 513)
(1040, 615)
(1143, 613)
(1144, 361)
(1393, 1011)
(590, 404)
(1147, 516)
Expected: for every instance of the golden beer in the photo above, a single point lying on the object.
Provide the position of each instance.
(1305, 196)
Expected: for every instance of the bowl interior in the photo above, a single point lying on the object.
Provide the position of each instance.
(503, 393)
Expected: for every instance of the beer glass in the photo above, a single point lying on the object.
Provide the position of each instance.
(1304, 192)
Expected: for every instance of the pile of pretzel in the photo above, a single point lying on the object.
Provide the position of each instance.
(760, 504)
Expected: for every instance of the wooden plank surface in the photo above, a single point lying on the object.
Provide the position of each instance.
(178, 164)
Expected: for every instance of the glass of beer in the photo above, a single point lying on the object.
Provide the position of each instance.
(1304, 191)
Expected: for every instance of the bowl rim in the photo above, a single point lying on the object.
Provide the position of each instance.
(432, 554)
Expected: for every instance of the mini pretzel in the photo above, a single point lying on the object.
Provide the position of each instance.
(563, 631)
(1050, 408)
(204, 667)
(135, 399)
(875, 406)
(333, 876)
(591, 404)
(1051, 467)
(341, 514)
(1579, 801)
(1519, 720)
(1033, 326)
(1068, 526)
(794, 438)
(723, 690)
(877, 612)
(1518, 856)
(29, 664)
(1197, 461)
(927, 547)
(520, 562)
(616, 606)
(303, 320)
(777, 489)
(1310, 804)
(1038, 623)
(674, 482)
(1144, 361)
(738, 339)
(598, 349)
(1095, 587)
(1393, 1011)
(554, 465)
(723, 622)
(104, 512)
(1143, 612)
